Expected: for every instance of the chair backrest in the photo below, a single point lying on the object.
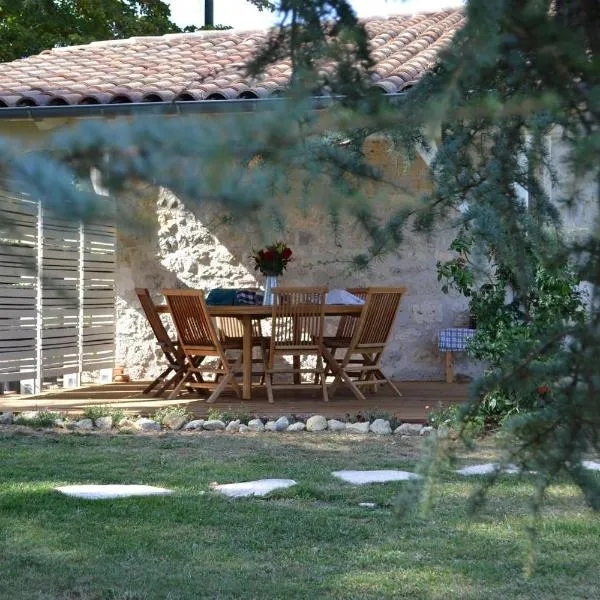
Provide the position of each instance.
(377, 317)
(192, 321)
(298, 316)
(347, 323)
(149, 308)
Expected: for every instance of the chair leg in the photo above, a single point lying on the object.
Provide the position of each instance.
(178, 387)
(159, 379)
(219, 389)
(340, 375)
(321, 372)
(270, 387)
(171, 382)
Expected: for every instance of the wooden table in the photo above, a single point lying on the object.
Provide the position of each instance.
(246, 314)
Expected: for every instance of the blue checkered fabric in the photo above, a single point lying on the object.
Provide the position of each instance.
(454, 339)
(251, 297)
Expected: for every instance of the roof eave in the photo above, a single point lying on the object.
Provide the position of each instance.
(38, 113)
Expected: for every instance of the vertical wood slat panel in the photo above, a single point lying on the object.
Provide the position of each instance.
(57, 293)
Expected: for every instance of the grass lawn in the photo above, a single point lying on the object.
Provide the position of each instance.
(310, 541)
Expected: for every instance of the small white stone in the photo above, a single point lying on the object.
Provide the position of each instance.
(195, 424)
(260, 487)
(84, 425)
(104, 423)
(270, 426)
(107, 492)
(214, 425)
(281, 424)
(358, 427)
(256, 425)
(408, 429)
(144, 424)
(383, 476)
(367, 504)
(6, 418)
(243, 428)
(298, 426)
(233, 426)
(381, 427)
(316, 423)
(335, 425)
(174, 421)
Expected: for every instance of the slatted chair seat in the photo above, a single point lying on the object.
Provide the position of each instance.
(173, 354)
(297, 330)
(360, 364)
(199, 339)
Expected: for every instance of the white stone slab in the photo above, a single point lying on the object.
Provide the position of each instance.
(108, 492)
(364, 477)
(486, 469)
(260, 487)
(367, 504)
(591, 465)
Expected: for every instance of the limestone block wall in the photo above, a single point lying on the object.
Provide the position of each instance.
(201, 249)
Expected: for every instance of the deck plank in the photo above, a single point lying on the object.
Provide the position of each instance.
(419, 397)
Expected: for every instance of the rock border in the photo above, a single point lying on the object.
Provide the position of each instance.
(179, 423)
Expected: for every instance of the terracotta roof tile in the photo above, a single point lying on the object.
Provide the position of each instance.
(208, 65)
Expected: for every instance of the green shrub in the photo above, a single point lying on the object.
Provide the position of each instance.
(507, 322)
(45, 418)
(161, 413)
(230, 415)
(443, 416)
(95, 412)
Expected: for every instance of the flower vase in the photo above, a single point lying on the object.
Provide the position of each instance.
(270, 283)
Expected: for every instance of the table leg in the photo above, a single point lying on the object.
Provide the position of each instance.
(247, 359)
(449, 367)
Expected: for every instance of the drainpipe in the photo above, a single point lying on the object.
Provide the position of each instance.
(209, 13)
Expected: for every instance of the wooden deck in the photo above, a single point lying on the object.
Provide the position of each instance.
(419, 396)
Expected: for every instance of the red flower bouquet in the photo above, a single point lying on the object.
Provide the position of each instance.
(272, 260)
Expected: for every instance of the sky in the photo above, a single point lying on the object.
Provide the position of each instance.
(242, 15)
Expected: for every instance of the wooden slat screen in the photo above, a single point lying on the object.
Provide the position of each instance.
(57, 293)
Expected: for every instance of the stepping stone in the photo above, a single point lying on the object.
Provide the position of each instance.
(591, 465)
(486, 469)
(108, 492)
(260, 487)
(363, 477)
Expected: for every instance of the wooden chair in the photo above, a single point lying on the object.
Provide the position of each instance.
(361, 362)
(198, 340)
(346, 326)
(170, 348)
(297, 330)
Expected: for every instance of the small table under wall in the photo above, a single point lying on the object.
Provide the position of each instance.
(453, 339)
(246, 314)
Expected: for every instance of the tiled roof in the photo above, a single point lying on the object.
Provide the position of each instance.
(207, 65)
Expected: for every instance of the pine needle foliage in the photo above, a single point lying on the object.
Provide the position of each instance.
(520, 73)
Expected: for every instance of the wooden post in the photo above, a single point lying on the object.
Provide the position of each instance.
(449, 367)
(247, 359)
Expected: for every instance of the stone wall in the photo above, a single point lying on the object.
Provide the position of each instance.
(179, 248)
